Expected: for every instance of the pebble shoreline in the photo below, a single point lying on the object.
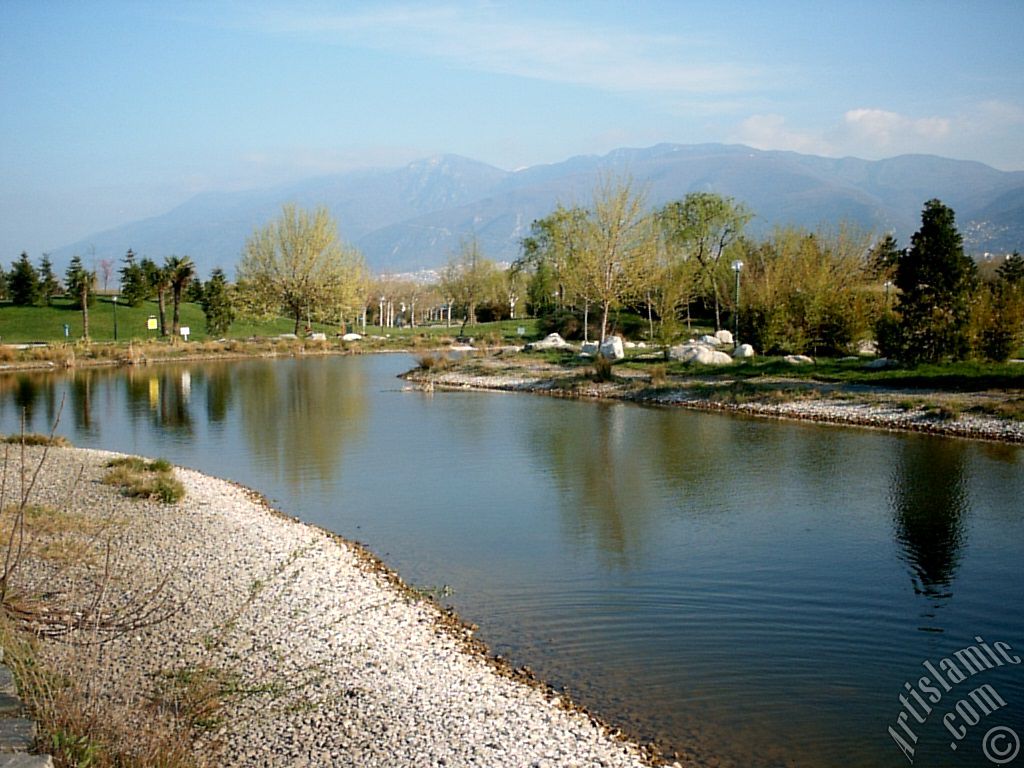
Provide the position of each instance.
(352, 669)
(820, 409)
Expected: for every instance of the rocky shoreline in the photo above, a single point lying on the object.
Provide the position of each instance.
(860, 406)
(332, 660)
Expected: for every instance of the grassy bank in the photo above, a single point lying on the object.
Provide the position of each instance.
(34, 336)
(898, 397)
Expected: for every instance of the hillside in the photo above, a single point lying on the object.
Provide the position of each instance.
(416, 216)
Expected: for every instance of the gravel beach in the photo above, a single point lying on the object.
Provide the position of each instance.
(862, 406)
(333, 661)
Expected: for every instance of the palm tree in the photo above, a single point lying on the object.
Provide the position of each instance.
(159, 280)
(179, 271)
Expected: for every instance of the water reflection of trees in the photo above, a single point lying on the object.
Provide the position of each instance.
(162, 394)
(297, 416)
(33, 395)
(602, 486)
(930, 506)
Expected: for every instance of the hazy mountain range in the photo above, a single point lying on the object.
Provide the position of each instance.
(416, 216)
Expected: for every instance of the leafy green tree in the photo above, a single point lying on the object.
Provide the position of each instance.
(135, 285)
(547, 253)
(218, 304)
(617, 247)
(808, 292)
(81, 283)
(704, 225)
(297, 264)
(180, 271)
(23, 282)
(3, 284)
(997, 317)
(936, 280)
(49, 285)
(470, 279)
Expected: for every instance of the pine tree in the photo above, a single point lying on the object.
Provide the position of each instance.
(23, 282)
(936, 280)
(49, 285)
(135, 286)
(80, 283)
(1012, 270)
(217, 304)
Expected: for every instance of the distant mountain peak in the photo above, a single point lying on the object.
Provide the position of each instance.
(416, 216)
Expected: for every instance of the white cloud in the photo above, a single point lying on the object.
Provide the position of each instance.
(770, 131)
(609, 59)
(882, 129)
(987, 131)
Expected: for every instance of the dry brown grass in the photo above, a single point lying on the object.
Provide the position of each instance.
(85, 722)
(145, 479)
(55, 635)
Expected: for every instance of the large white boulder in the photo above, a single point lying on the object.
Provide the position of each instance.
(551, 341)
(724, 337)
(867, 348)
(878, 362)
(798, 359)
(318, 336)
(351, 337)
(743, 352)
(699, 353)
(612, 348)
(710, 340)
(589, 349)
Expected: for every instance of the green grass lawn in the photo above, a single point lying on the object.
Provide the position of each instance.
(19, 325)
(966, 376)
(46, 324)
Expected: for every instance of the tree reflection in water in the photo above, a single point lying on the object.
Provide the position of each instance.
(930, 507)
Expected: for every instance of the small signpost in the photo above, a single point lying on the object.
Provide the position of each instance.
(185, 331)
(151, 324)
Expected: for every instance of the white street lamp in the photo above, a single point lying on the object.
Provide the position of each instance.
(736, 267)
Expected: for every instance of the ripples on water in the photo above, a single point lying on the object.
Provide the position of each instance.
(752, 591)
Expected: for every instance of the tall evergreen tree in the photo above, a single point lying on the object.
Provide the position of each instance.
(217, 304)
(23, 282)
(135, 285)
(49, 285)
(936, 280)
(80, 283)
(1012, 270)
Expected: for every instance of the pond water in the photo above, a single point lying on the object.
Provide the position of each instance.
(744, 591)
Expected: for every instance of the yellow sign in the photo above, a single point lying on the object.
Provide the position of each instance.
(151, 323)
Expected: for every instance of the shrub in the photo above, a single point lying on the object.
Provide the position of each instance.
(602, 369)
(563, 322)
(139, 478)
(659, 374)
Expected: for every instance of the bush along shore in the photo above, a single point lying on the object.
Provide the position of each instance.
(979, 405)
(198, 627)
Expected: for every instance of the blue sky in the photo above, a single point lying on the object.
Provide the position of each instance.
(111, 112)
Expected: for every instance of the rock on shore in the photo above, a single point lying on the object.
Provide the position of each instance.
(343, 666)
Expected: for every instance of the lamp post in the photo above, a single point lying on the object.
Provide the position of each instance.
(888, 285)
(736, 267)
(114, 298)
